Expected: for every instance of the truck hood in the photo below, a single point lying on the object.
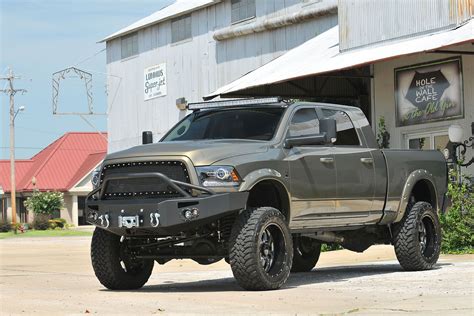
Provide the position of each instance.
(201, 153)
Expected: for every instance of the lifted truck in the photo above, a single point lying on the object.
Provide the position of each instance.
(262, 183)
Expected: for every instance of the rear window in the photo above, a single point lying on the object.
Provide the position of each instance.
(254, 124)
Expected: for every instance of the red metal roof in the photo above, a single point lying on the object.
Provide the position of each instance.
(59, 166)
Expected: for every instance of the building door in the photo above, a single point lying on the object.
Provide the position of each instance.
(427, 141)
(313, 174)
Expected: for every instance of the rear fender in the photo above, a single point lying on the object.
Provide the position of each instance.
(413, 179)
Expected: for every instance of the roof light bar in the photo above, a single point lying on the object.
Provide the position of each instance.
(231, 103)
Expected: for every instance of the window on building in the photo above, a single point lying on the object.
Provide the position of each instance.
(304, 122)
(346, 133)
(130, 45)
(181, 28)
(242, 10)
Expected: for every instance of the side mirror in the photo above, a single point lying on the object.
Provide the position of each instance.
(147, 137)
(328, 127)
(308, 140)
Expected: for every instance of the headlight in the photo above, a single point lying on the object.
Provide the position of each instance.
(96, 176)
(218, 176)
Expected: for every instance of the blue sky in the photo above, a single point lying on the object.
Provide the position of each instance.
(40, 37)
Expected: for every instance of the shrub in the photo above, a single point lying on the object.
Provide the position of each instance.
(5, 226)
(457, 223)
(57, 223)
(45, 202)
(41, 222)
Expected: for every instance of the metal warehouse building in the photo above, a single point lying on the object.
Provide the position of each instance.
(411, 62)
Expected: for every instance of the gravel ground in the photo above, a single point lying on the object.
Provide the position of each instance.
(54, 276)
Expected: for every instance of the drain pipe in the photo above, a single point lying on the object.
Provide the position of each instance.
(325, 8)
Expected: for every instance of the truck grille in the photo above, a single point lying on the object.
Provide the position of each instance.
(142, 188)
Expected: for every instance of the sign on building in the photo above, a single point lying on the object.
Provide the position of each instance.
(155, 81)
(428, 92)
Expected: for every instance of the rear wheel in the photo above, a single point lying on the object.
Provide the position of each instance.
(261, 249)
(306, 253)
(417, 238)
(113, 264)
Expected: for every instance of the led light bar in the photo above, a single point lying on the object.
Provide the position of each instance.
(231, 103)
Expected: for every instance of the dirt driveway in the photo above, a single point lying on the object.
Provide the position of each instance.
(54, 276)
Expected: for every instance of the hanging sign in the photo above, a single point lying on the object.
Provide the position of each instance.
(428, 92)
(155, 81)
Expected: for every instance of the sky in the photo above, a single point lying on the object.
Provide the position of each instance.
(40, 37)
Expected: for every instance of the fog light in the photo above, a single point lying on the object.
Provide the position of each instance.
(190, 214)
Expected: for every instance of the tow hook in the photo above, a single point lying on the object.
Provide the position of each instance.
(154, 219)
(106, 218)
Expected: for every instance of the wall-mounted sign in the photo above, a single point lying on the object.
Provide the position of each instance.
(428, 92)
(155, 81)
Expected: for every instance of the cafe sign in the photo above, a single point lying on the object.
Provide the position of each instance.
(155, 81)
(428, 92)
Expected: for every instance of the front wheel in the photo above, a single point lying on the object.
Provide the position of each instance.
(417, 238)
(113, 264)
(261, 249)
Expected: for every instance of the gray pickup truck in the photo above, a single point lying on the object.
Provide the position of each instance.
(262, 184)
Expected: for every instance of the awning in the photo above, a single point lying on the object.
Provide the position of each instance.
(321, 55)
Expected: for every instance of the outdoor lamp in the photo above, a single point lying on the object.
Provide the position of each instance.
(455, 133)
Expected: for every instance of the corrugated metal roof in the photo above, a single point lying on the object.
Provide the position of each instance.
(321, 55)
(59, 166)
(179, 7)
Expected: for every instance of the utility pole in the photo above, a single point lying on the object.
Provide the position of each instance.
(11, 91)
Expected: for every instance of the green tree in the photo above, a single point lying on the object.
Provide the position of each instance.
(45, 203)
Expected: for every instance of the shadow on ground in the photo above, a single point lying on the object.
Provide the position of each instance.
(318, 275)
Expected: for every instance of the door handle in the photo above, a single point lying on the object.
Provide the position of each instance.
(367, 160)
(326, 160)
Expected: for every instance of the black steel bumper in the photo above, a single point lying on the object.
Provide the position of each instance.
(158, 216)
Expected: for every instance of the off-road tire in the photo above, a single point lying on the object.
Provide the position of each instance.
(247, 244)
(106, 260)
(407, 235)
(306, 253)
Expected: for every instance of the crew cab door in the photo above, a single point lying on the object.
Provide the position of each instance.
(355, 172)
(312, 174)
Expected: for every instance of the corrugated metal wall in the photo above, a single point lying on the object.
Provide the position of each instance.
(195, 67)
(364, 22)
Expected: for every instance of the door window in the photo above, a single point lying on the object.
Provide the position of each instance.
(346, 133)
(304, 122)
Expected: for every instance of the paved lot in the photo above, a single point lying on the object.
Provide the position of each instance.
(54, 276)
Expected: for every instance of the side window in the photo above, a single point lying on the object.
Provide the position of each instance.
(346, 133)
(129, 45)
(304, 122)
(181, 28)
(242, 10)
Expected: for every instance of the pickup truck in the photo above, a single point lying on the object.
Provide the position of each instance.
(262, 183)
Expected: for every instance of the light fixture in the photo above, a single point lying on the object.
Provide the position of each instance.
(181, 104)
(455, 133)
(231, 103)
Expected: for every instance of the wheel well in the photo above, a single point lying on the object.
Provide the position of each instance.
(270, 193)
(425, 191)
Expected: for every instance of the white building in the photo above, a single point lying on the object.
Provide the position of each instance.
(410, 62)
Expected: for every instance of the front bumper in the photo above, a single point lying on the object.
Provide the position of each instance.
(157, 216)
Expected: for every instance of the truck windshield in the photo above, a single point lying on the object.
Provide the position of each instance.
(248, 123)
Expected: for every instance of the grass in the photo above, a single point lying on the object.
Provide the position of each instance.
(45, 233)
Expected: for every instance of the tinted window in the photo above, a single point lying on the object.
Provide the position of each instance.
(256, 124)
(242, 10)
(181, 28)
(304, 122)
(346, 133)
